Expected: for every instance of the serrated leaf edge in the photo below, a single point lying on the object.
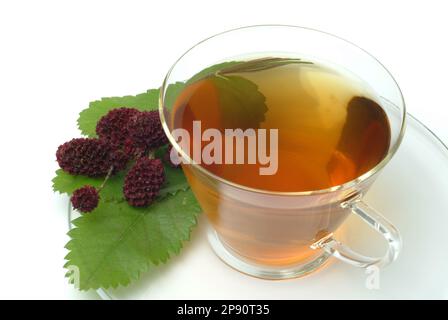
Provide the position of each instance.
(145, 267)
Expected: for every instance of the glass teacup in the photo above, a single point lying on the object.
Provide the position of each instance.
(278, 235)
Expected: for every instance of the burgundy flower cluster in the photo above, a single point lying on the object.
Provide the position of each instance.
(142, 183)
(90, 157)
(85, 199)
(124, 134)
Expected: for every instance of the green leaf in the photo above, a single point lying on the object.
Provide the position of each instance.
(175, 181)
(67, 183)
(115, 243)
(242, 105)
(173, 90)
(212, 70)
(171, 94)
(89, 117)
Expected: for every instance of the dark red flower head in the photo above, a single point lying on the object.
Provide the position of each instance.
(143, 182)
(146, 132)
(113, 127)
(85, 199)
(90, 157)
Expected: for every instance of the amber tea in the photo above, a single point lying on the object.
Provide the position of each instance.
(331, 129)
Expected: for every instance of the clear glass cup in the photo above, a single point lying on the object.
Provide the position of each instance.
(279, 235)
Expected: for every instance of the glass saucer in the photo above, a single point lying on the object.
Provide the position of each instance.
(412, 192)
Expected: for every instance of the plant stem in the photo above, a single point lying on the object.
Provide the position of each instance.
(109, 173)
(259, 65)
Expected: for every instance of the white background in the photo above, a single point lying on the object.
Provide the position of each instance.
(56, 56)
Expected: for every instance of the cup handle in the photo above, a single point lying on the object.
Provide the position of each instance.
(374, 220)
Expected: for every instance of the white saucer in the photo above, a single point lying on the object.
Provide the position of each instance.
(412, 192)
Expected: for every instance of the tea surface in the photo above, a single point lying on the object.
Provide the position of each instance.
(330, 127)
